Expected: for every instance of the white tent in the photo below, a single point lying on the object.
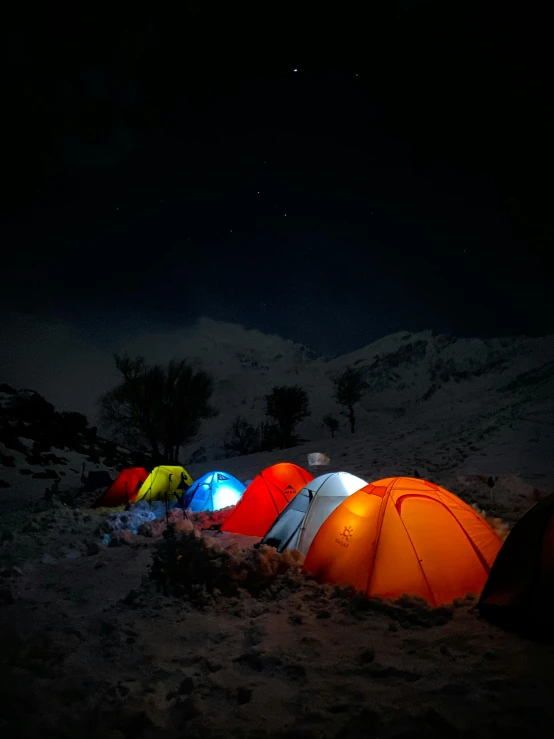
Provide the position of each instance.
(299, 522)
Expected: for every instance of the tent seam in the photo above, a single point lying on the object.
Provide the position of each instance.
(478, 554)
(381, 516)
(416, 552)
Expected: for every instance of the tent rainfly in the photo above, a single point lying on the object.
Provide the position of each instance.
(124, 488)
(213, 491)
(164, 481)
(519, 592)
(297, 525)
(404, 535)
(265, 498)
(96, 480)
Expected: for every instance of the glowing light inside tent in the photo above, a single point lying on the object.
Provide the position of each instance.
(225, 496)
(213, 491)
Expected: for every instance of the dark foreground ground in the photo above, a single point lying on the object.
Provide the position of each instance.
(89, 647)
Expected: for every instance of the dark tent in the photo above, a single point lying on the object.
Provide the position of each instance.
(96, 480)
(519, 592)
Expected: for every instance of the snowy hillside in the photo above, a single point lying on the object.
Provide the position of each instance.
(39, 446)
(474, 392)
(441, 405)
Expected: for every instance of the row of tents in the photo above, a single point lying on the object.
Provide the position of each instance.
(174, 485)
(389, 537)
(394, 536)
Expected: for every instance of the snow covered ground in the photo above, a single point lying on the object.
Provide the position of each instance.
(24, 488)
(91, 645)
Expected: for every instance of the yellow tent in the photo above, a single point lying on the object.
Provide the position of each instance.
(162, 481)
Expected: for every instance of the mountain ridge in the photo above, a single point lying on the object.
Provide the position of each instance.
(418, 383)
(410, 376)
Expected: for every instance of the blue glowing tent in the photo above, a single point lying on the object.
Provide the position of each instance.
(213, 491)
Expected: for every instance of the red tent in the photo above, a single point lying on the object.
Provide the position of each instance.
(123, 489)
(265, 497)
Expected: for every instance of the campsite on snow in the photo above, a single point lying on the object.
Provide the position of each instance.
(277, 371)
(390, 577)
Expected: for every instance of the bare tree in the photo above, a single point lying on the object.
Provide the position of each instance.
(349, 389)
(287, 405)
(161, 407)
(241, 438)
(332, 424)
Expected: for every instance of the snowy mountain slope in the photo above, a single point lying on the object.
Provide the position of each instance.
(416, 381)
(441, 405)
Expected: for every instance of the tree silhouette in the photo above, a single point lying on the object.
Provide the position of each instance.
(162, 407)
(349, 389)
(332, 424)
(287, 405)
(241, 438)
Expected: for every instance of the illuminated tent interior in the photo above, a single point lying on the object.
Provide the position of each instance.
(213, 491)
(266, 496)
(163, 481)
(404, 535)
(297, 525)
(519, 592)
(124, 488)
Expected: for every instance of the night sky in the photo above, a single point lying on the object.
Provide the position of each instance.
(158, 168)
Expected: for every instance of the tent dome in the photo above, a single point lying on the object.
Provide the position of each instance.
(404, 535)
(265, 498)
(95, 480)
(124, 489)
(519, 591)
(300, 521)
(213, 491)
(164, 481)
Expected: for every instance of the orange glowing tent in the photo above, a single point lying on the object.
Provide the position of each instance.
(402, 535)
(264, 499)
(123, 489)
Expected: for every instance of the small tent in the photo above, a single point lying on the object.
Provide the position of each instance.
(163, 481)
(405, 535)
(297, 525)
(213, 491)
(124, 488)
(519, 592)
(265, 498)
(96, 480)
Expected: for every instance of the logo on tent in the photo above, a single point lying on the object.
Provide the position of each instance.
(346, 534)
(289, 490)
